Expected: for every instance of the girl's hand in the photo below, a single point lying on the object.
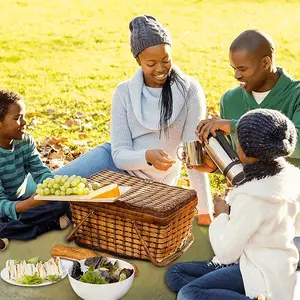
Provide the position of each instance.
(207, 166)
(220, 206)
(159, 159)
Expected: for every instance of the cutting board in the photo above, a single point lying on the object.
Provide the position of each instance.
(83, 198)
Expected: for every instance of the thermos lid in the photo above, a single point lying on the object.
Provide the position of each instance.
(238, 179)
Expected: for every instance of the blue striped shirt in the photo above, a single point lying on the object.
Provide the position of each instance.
(15, 165)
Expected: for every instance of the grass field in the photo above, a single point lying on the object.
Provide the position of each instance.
(68, 55)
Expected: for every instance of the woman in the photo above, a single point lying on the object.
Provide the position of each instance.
(152, 114)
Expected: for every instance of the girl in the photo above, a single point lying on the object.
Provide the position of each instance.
(152, 114)
(255, 253)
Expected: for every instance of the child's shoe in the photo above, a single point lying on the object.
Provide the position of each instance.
(3, 244)
(204, 219)
(261, 298)
(64, 222)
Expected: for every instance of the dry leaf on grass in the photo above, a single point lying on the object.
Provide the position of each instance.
(83, 135)
(50, 111)
(70, 123)
(78, 115)
(55, 153)
(34, 121)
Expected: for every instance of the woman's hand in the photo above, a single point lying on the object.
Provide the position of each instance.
(29, 203)
(208, 126)
(220, 206)
(159, 159)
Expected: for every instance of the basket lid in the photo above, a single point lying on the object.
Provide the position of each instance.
(146, 196)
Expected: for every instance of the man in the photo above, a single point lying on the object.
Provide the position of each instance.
(262, 85)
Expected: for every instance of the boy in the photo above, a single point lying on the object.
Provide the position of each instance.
(22, 217)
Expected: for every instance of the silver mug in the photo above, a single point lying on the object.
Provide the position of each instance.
(193, 153)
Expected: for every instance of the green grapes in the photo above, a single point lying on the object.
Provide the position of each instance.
(65, 186)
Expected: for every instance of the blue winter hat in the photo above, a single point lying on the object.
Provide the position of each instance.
(146, 31)
(266, 134)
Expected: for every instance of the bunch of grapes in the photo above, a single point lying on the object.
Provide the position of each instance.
(64, 186)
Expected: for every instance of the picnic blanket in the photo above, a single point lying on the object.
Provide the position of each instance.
(149, 285)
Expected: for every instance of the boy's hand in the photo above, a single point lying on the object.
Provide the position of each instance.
(159, 159)
(29, 203)
(205, 127)
(220, 206)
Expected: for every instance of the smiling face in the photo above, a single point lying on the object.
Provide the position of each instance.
(250, 70)
(12, 127)
(156, 63)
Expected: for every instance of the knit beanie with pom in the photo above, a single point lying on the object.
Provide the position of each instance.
(266, 134)
(146, 31)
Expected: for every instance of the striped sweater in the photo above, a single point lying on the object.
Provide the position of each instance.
(15, 165)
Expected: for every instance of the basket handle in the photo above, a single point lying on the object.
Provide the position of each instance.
(169, 259)
(69, 237)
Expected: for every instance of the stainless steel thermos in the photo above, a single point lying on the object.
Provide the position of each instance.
(226, 159)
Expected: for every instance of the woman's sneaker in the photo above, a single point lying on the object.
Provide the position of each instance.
(64, 222)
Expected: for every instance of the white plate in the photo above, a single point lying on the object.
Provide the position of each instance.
(85, 198)
(65, 264)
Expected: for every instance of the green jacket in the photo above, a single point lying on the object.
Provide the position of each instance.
(284, 96)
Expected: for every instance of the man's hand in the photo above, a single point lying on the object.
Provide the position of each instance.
(205, 127)
(29, 203)
(159, 159)
(220, 206)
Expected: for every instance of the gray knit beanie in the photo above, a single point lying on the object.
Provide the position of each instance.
(266, 134)
(146, 31)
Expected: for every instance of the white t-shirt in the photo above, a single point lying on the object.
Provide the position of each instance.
(259, 97)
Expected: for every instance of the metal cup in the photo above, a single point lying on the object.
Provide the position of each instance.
(193, 153)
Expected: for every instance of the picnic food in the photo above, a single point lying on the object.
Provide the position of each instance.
(108, 191)
(34, 270)
(73, 253)
(76, 185)
(100, 271)
(63, 185)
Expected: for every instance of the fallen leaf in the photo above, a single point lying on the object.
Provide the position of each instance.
(77, 121)
(69, 123)
(65, 127)
(82, 135)
(88, 125)
(78, 115)
(33, 123)
(50, 111)
(56, 155)
(79, 143)
(55, 163)
(33, 114)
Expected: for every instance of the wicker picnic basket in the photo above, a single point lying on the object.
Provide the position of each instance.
(151, 221)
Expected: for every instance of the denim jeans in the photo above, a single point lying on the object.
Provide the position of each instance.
(206, 280)
(91, 162)
(33, 222)
(297, 243)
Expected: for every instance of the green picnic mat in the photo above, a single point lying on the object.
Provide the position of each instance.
(149, 285)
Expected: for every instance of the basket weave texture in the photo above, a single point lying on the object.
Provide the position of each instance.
(152, 215)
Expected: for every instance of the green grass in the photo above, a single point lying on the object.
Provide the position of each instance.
(70, 54)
